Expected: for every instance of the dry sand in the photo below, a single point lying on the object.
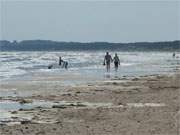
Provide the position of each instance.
(147, 105)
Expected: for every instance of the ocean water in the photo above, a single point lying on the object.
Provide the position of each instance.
(22, 65)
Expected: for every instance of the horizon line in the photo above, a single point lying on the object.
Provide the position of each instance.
(18, 41)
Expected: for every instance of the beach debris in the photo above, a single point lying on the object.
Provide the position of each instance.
(15, 120)
(98, 90)
(25, 101)
(21, 109)
(14, 112)
(25, 122)
(59, 106)
(135, 79)
(78, 92)
(115, 83)
(120, 103)
(67, 94)
(76, 104)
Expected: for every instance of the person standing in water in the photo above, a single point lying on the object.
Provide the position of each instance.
(116, 61)
(65, 65)
(107, 61)
(60, 61)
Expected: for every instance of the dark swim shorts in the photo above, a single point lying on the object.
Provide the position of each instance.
(116, 64)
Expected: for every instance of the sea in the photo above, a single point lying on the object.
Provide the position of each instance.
(23, 65)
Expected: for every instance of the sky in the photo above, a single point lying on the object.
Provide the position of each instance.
(90, 21)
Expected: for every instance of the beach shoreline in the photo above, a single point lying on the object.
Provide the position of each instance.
(122, 106)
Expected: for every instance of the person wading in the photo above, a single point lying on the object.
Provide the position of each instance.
(116, 62)
(107, 61)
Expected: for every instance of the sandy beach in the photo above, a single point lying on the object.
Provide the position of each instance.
(145, 105)
(89, 67)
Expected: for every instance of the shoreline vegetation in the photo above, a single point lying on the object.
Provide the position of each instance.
(143, 105)
(48, 45)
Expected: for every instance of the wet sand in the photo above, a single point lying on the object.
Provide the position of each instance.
(146, 105)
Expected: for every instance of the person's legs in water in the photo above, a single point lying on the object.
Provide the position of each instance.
(116, 66)
(60, 61)
(66, 65)
(108, 66)
(63, 66)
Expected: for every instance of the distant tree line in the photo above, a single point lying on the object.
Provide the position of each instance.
(48, 45)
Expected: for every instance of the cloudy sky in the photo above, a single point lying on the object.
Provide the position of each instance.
(87, 21)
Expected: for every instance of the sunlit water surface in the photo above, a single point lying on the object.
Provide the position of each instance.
(22, 65)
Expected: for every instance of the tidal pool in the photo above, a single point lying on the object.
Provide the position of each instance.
(10, 114)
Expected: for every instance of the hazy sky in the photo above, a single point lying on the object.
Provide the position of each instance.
(85, 21)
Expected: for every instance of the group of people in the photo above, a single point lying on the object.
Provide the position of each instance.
(108, 60)
(62, 64)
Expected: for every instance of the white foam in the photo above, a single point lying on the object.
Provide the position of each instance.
(127, 64)
(146, 104)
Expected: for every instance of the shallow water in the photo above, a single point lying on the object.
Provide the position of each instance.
(23, 65)
(8, 106)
